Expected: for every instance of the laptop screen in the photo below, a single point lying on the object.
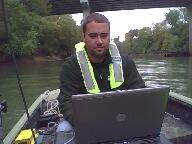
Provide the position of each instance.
(118, 115)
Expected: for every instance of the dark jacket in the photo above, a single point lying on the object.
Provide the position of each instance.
(71, 80)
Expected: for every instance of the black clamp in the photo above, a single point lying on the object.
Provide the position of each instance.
(3, 106)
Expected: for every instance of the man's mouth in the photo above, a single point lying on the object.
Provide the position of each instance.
(100, 47)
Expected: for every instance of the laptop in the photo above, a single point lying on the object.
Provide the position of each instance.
(119, 115)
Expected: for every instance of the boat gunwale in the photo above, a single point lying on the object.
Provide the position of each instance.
(23, 120)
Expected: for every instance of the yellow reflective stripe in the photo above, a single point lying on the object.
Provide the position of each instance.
(111, 77)
(115, 69)
(113, 50)
(113, 82)
(80, 46)
(118, 74)
(86, 69)
(95, 89)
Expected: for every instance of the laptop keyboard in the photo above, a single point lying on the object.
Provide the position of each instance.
(142, 140)
(147, 140)
(139, 141)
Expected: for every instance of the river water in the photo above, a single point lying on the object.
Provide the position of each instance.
(36, 78)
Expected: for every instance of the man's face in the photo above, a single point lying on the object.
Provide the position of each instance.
(96, 38)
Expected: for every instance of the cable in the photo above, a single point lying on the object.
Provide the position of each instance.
(16, 69)
(71, 138)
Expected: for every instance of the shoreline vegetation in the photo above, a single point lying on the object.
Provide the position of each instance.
(37, 36)
(31, 59)
(53, 57)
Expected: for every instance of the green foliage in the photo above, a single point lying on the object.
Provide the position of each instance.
(173, 17)
(170, 35)
(69, 33)
(60, 35)
(179, 27)
(21, 27)
(159, 33)
(40, 7)
(145, 39)
(169, 43)
(32, 31)
(127, 44)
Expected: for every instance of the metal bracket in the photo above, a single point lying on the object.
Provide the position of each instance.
(85, 7)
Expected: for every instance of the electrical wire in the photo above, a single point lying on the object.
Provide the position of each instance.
(73, 137)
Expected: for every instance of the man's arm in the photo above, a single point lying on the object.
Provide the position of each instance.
(68, 87)
(132, 78)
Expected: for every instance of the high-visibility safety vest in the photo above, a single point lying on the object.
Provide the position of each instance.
(115, 68)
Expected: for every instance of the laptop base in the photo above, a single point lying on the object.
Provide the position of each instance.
(144, 140)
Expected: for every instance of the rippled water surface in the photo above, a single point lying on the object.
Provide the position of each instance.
(174, 72)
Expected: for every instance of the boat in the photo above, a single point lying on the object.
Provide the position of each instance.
(176, 127)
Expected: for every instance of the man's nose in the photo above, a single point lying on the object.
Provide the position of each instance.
(99, 39)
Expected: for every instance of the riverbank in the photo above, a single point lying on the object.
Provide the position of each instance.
(31, 59)
(51, 58)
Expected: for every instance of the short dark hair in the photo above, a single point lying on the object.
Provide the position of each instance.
(99, 18)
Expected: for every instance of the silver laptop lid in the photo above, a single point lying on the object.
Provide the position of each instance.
(119, 115)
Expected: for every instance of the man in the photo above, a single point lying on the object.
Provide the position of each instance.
(96, 66)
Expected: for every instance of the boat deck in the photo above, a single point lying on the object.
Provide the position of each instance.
(173, 131)
(177, 131)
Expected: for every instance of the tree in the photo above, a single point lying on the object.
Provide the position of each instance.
(21, 26)
(59, 35)
(127, 46)
(173, 17)
(179, 27)
(33, 32)
(40, 7)
(170, 35)
(145, 39)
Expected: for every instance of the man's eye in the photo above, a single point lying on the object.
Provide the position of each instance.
(93, 35)
(101, 35)
(104, 35)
